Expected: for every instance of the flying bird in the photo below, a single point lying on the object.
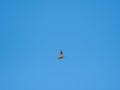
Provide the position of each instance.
(60, 55)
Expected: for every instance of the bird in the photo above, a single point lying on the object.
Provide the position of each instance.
(60, 55)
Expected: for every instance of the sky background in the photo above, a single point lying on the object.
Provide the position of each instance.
(33, 31)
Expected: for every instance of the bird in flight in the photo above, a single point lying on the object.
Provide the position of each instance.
(60, 55)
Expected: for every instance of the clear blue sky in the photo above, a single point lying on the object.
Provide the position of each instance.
(33, 31)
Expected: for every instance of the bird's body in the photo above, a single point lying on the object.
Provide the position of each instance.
(60, 55)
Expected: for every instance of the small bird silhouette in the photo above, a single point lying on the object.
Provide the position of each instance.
(60, 55)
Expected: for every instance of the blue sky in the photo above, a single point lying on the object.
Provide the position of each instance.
(33, 31)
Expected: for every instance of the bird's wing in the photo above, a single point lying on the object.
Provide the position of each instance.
(61, 52)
